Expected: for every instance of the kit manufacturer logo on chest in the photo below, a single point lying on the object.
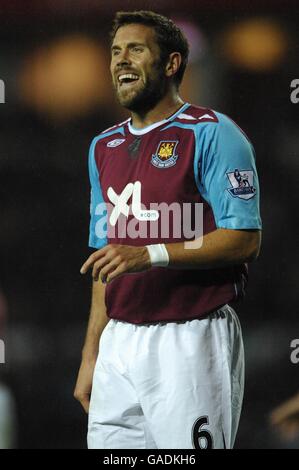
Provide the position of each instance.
(115, 142)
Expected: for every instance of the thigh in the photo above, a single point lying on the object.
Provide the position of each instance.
(116, 420)
(184, 385)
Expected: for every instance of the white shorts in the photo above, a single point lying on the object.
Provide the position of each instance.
(174, 385)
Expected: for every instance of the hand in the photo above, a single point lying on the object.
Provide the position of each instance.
(112, 261)
(83, 387)
(286, 418)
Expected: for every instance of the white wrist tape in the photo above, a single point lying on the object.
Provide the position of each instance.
(158, 255)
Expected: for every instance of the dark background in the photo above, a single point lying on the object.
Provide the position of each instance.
(54, 61)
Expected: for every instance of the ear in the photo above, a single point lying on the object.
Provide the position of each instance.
(173, 64)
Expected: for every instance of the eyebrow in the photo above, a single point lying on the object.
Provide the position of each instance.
(130, 44)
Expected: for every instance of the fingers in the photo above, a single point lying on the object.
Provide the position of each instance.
(82, 391)
(98, 266)
(85, 403)
(121, 269)
(104, 272)
(113, 260)
(103, 262)
(92, 259)
(84, 399)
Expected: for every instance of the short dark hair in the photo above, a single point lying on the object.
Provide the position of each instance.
(169, 37)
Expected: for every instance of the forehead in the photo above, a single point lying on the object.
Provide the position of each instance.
(135, 33)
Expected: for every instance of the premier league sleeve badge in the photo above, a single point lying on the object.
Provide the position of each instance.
(242, 184)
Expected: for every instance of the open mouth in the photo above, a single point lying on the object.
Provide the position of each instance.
(127, 78)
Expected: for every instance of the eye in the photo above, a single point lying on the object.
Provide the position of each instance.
(115, 52)
(137, 49)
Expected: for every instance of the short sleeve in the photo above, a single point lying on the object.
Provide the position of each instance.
(227, 175)
(98, 212)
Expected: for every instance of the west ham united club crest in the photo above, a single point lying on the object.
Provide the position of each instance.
(165, 155)
(242, 184)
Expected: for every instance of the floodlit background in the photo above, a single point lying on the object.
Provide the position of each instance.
(54, 60)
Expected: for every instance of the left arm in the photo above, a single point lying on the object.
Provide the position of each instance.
(219, 248)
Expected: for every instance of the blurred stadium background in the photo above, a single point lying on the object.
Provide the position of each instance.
(54, 63)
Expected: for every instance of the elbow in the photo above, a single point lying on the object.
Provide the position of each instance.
(253, 248)
(252, 256)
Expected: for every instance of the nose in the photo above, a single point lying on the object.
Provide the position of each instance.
(123, 58)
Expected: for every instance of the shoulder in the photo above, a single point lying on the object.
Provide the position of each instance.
(114, 128)
(210, 124)
(195, 115)
(104, 136)
(201, 116)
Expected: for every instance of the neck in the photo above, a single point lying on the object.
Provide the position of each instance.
(167, 106)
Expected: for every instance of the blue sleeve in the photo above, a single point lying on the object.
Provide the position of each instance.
(98, 212)
(227, 175)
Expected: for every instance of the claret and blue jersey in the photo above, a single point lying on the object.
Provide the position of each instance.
(196, 156)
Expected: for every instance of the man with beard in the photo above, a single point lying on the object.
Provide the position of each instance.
(168, 371)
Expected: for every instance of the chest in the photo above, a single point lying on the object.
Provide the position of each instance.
(161, 162)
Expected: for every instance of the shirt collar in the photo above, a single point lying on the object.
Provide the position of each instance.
(147, 129)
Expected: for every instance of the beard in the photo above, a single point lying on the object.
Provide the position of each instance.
(147, 94)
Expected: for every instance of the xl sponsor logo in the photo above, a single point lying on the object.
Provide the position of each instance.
(2, 92)
(182, 221)
(120, 202)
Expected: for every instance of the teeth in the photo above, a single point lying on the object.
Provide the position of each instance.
(129, 76)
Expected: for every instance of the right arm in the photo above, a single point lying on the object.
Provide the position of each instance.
(97, 321)
(98, 317)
